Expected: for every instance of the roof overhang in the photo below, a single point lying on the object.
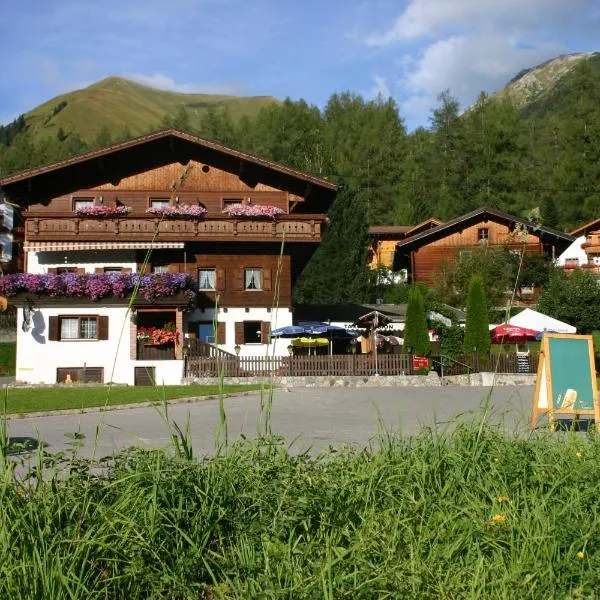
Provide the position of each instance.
(113, 163)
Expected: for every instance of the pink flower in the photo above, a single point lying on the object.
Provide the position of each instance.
(259, 211)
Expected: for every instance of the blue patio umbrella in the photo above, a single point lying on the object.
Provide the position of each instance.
(288, 331)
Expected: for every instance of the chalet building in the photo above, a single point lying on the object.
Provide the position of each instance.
(219, 235)
(424, 254)
(383, 240)
(584, 252)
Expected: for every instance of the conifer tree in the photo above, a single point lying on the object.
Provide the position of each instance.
(416, 334)
(477, 331)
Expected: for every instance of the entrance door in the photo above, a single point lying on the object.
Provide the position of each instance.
(206, 332)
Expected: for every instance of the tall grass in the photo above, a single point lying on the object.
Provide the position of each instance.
(467, 512)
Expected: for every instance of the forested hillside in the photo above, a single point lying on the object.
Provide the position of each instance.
(541, 156)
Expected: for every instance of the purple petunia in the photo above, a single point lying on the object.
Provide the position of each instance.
(98, 285)
(178, 211)
(102, 211)
(256, 211)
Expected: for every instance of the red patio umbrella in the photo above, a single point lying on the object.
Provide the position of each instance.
(511, 333)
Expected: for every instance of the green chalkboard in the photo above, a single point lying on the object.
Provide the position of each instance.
(571, 369)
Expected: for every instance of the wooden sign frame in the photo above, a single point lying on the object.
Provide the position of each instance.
(543, 402)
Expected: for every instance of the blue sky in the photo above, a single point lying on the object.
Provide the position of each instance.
(410, 50)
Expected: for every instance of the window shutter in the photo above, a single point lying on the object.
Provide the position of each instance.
(99, 270)
(220, 277)
(103, 328)
(221, 333)
(126, 270)
(146, 269)
(80, 271)
(266, 283)
(239, 332)
(239, 280)
(265, 329)
(173, 268)
(52, 271)
(53, 329)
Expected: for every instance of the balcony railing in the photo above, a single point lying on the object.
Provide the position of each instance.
(58, 227)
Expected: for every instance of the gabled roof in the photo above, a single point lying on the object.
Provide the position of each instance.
(477, 216)
(585, 229)
(150, 151)
(423, 226)
(388, 230)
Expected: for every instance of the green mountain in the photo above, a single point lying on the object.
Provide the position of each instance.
(115, 105)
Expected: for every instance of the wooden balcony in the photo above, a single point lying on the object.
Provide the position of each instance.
(216, 228)
(592, 245)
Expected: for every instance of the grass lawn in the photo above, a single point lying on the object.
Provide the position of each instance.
(470, 512)
(26, 400)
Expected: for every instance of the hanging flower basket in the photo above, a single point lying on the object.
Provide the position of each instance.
(253, 211)
(103, 211)
(179, 211)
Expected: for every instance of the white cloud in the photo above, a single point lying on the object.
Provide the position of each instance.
(380, 88)
(162, 82)
(466, 65)
(438, 17)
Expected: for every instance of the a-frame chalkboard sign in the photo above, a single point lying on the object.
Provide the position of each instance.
(566, 379)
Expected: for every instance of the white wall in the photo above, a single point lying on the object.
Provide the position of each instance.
(574, 251)
(280, 317)
(40, 262)
(38, 358)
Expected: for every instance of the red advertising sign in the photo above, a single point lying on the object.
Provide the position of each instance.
(420, 362)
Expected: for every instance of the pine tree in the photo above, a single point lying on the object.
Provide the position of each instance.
(477, 331)
(416, 334)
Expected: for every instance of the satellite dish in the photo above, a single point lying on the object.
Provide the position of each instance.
(3, 304)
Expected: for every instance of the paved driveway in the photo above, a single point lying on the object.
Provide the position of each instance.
(307, 417)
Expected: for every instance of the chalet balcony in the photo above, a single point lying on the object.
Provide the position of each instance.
(144, 228)
(592, 245)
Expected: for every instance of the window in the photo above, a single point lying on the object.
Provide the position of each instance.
(571, 262)
(207, 279)
(82, 203)
(483, 234)
(158, 202)
(252, 279)
(64, 270)
(112, 269)
(232, 202)
(465, 254)
(78, 328)
(252, 332)
(160, 268)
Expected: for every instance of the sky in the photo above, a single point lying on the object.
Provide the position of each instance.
(410, 50)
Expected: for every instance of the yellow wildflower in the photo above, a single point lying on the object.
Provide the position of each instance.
(578, 454)
(498, 518)
(502, 499)
(581, 555)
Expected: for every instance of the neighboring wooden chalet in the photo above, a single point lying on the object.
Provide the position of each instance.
(424, 254)
(584, 252)
(383, 240)
(240, 227)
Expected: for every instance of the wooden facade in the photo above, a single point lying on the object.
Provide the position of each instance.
(426, 254)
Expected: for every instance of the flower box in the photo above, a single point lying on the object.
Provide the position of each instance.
(95, 286)
(179, 211)
(253, 211)
(103, 211)
(158, 336)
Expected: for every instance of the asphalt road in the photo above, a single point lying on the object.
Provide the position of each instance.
(308, 418)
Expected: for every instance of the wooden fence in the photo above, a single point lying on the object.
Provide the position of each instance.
(340, 365)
